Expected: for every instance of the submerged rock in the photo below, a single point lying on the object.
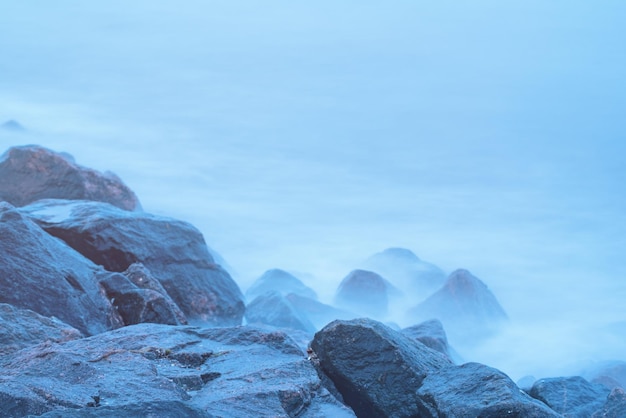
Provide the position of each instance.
(29, 173)
(365, 293)
(431, 334)
(174, 251)
(280, 281)
(274, 309)
(318, 313)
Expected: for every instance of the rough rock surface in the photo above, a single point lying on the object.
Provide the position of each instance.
(476, 390)
(431, 334)
(274, 309)
(29, 173)
(465, 306)
(318, 313)
(615, 406)
(41, 273)
(571, 396)
(174, 251)
(276, 280)
(415, 277)
(20, 328)
(376, 370)
(365, 293)
(158, 370)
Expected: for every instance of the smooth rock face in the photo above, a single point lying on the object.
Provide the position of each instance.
(572, 396)
(280, 281)
(415, 277)
(376, 370)
(611, 374)
(20, 328)
(41, 273)
(274, 309)
(465, 306)
(365, 293)
(431, 334)
(318, 313)
(29, 173)
(476, 390)
(174, 251)
(158, 370)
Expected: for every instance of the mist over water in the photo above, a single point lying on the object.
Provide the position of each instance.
(308, 137)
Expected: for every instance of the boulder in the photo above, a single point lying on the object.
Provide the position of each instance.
(416, 278)
(571, 396)
(365, 293)
(317, 312)
(375, 369)
(174, 251)
(12, 126)
(41, 273)
(22, 328)
(276, 280)
(29, 173)
(615, 406)
(431, 334)
(611, 374)
(272, 308)
(476, 390)
(150, 370)
(465, 306)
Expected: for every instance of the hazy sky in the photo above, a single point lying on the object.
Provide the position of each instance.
(307, 136)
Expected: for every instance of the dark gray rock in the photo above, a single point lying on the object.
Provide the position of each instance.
(274, 309)
(41, 273)
(615, 406)
(431, 334)
(365, 293)
(465, 306)
(174, 251)
(158, 370)
(317, 312)
(571, 396)
(475, 390)
(280, 281)
(136, 305)
(29, 173)
(414, 277)
(376, 370)
(20, 328)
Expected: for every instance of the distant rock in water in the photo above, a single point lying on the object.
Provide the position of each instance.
(277, 280)
(317, 312)
(29, 173)
(274, 309)
(465, 306)
(431, 334)
(365, 293)
(13, 126)
(415, 277)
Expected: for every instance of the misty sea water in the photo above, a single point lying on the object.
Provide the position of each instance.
(308, 136)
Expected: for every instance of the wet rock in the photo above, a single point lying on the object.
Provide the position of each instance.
(21, 328)
(414, 277)
(615, 406)
(136, 305)
(465, 306)
(280, 281)
(317, 312)
(365, 293)
(41, 273)
(571, 396)
(431, 334)
(376, 370)
(476, 390)
(166, 370)
(29, 173)
(174, 251)
(274, 309)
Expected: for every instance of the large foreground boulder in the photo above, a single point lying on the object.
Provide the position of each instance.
(41, 273)
(20, 328)
(29, 173)
(174, 251)
(277, 280)
(571, 396)
(150, 370)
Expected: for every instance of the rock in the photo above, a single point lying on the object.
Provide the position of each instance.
(277, 280)
(318, 313)
(159, 370)
(23, 327)
(136, 305)
(174, 251)
(41, 273)
(376, 370)
(12, 126)
(365, 293)
(611, 374)
(571, 396)
(465, 306)
(274, 309)
(29, 173)
(615, 406)
(431, 334)
(476, 390)
(414, 277)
